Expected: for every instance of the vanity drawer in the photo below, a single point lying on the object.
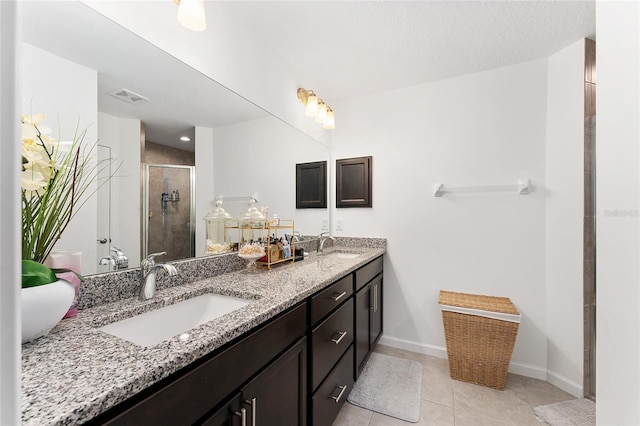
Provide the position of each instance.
(330, 397)
(330, 298)
(329, 341)
(187, 396)
(368, 272)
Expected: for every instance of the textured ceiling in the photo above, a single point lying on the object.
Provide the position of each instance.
(351, 48)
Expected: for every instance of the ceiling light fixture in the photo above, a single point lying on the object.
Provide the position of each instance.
(185, 139)
(317, 108)
(191, 14)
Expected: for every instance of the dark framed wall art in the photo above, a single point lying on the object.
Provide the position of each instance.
(311, 185)
(353, 182)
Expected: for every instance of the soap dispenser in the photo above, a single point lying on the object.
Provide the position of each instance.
(217, 240)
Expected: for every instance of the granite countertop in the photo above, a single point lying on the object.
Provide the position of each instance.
(77, 372)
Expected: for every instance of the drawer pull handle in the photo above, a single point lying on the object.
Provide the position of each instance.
(243, 416)
(342, 389)
(342, 334)
(252, 402)
(338, 296)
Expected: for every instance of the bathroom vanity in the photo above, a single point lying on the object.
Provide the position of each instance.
(290, 356)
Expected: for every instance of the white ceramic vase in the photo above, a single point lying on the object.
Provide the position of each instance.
(43, 307)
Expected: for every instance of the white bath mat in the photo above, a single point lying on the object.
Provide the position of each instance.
(576, 412)
(390, 386)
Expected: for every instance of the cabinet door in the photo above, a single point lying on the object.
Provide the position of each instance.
(277, 396)
(376, 311)
(362, 329)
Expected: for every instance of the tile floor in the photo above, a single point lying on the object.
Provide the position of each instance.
(448, 402)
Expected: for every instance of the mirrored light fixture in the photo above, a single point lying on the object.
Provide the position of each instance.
(312, 105)
(330, 121)
(316, 108)
(191, 14)
(322, 112)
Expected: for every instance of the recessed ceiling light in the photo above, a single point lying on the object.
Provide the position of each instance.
(185, 138)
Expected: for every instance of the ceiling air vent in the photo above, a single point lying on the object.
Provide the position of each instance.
(128, 96)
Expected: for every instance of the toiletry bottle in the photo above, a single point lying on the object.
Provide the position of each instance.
(177, 195)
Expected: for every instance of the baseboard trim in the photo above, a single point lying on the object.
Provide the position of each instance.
(565, 384)
(527, 370)
(408, 345)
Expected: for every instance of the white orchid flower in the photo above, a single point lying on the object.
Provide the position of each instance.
(34, 120)
(33, 182)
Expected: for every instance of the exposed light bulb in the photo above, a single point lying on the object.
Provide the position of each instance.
(191, 14)
(330, 121)
(322, 112)
(312, 105)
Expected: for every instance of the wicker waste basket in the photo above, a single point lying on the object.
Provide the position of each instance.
(480, 332)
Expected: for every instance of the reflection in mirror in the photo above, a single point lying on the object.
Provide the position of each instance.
(82, 69)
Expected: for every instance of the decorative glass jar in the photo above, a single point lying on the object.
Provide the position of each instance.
(217, 239)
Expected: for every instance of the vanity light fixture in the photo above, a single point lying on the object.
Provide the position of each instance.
(185, 139)
(191, 14)
(317, 108)
(312, 105)
(322, 112)
(330, 121)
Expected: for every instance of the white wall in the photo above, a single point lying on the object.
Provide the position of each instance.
(68, 94)
(618, 187)
(236, 164)
(564, 217)
(205, 194)
(122, 135)
(480, 129)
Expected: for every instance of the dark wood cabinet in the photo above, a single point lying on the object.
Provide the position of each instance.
(278, 395)
(189, 394)
(361, 342)
(333, 392)
(330, 298)
(353, 182)
(330, 340)
(368, 313)
(375, 292)
(296, 369)
(311, 185)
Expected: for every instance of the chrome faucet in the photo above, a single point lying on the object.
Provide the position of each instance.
(323, 237)
(148, 270)
(118, 260)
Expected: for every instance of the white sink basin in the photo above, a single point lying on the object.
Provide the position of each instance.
(341, 255)
(155, 326)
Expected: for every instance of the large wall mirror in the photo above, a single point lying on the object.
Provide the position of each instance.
(82, 69)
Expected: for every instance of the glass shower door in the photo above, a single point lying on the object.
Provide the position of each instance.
(168, 218)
